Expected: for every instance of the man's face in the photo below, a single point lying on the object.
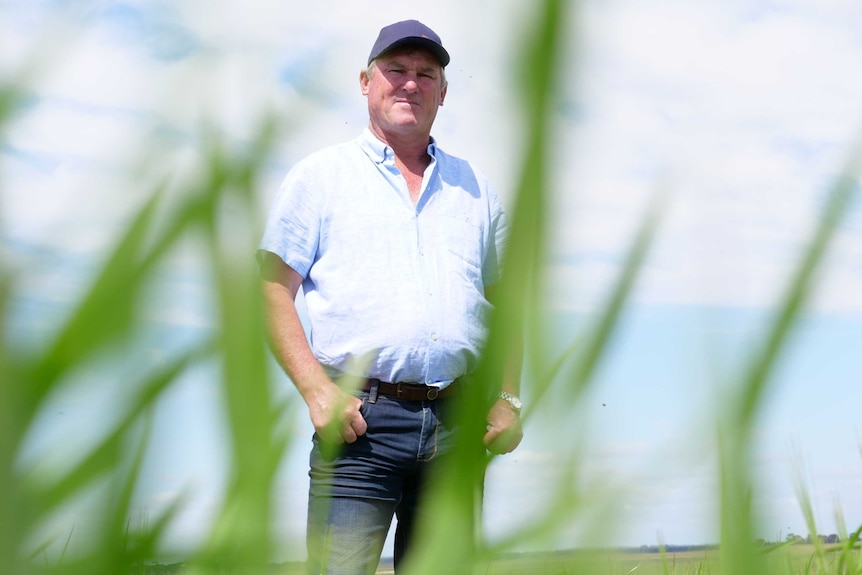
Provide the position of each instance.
(404, 91)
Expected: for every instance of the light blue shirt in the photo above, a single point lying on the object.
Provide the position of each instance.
(394, 288)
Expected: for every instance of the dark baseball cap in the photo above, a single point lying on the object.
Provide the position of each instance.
(409, 32)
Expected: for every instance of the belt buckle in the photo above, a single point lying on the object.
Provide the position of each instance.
(432, 393)
(398, 390)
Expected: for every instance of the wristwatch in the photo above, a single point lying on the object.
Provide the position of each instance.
(513, 401)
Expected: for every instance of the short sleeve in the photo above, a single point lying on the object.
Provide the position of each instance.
(292, 230)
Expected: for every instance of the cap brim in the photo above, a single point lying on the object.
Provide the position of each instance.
(439, 52)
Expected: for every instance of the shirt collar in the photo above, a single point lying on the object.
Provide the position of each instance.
(380, 152)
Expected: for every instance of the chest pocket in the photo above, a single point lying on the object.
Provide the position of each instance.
(465, 240)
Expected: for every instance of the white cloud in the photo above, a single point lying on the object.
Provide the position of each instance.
(749, 113)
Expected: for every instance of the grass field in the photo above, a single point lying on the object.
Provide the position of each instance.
(795, 559)
(788, 560)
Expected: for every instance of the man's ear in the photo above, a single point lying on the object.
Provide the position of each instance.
(443, 93)
(363, 82)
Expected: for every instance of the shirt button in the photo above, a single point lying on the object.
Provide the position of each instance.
(434, 336)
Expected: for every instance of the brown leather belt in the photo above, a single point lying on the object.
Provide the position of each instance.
(412, 391)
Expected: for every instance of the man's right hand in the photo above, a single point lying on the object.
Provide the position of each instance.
(335, 415)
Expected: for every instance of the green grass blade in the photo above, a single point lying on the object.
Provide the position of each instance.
(240, 538)
(450, 534)
(41, 500)
(590, 350)
(799, 289)
(737, 523)
(106, 312)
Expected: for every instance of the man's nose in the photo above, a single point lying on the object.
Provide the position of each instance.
(410, 84)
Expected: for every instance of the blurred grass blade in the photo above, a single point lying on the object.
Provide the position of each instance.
(811, 524)
(240, 538)
(10, 431)
(105, 314)
(10, 96)
(560, 507)
(42, 500)
(738, 526)
(588, 351)
(119, 552)
(850, 558)
(800, 287)
(598, 341)
(449, 534)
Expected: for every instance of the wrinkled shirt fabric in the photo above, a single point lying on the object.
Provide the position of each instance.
(393, 291)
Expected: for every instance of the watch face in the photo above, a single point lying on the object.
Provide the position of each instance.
(513, 400)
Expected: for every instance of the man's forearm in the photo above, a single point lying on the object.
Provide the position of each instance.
(280, 284)
(288, 340)
(333, 414)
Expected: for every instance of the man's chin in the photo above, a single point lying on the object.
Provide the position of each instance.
(405, 123)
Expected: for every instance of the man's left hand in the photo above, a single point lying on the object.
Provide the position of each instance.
(504, 428)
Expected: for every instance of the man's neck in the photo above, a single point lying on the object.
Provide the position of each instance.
(410, 150)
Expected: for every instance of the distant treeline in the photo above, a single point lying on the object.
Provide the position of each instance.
(794, 538)
(668, 548)
(603, 550)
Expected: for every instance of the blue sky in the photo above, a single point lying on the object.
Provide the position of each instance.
(745, 110)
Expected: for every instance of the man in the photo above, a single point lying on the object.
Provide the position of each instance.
(396, 245)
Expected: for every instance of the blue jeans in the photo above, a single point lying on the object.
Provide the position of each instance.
(355, 494)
